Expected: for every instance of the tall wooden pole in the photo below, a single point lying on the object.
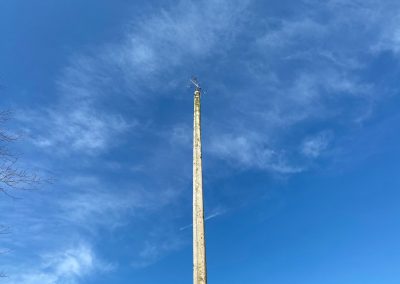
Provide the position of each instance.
(199, 248)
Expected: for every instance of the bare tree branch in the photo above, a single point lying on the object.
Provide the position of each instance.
(11, 176)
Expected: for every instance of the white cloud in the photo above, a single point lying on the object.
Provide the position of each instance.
(139, 63)
(75, 127)
(314, 146)
(308, 69)
(291, 33)
(76, 262)
(390, 37)
(162, 42)
(99, 205)
(251, 151)
(154, 250)
(63, 267)
(375, 23)
(190, 28)
(78, 210)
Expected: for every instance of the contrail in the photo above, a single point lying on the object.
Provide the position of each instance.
(211, 216)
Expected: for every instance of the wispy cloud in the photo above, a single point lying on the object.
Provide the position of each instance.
(290, 33)
(303, 70)
(314, 146)
(100, 205)
(76, 128)
(75, 213)
(154, 250)
(251, 150)
(67, 266)
(390, 37)
(140, 63)
(170, 39)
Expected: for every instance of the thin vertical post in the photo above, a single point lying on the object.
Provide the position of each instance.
(199, 248)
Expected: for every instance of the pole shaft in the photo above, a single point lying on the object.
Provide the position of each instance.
(199, 249)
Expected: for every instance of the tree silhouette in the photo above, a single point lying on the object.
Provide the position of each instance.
(12, 177)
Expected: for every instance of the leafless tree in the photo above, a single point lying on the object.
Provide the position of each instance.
(12, 177)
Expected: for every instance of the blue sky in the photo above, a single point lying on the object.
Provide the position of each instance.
(300, 140)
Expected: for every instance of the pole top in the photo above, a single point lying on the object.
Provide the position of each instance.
(196, 84)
